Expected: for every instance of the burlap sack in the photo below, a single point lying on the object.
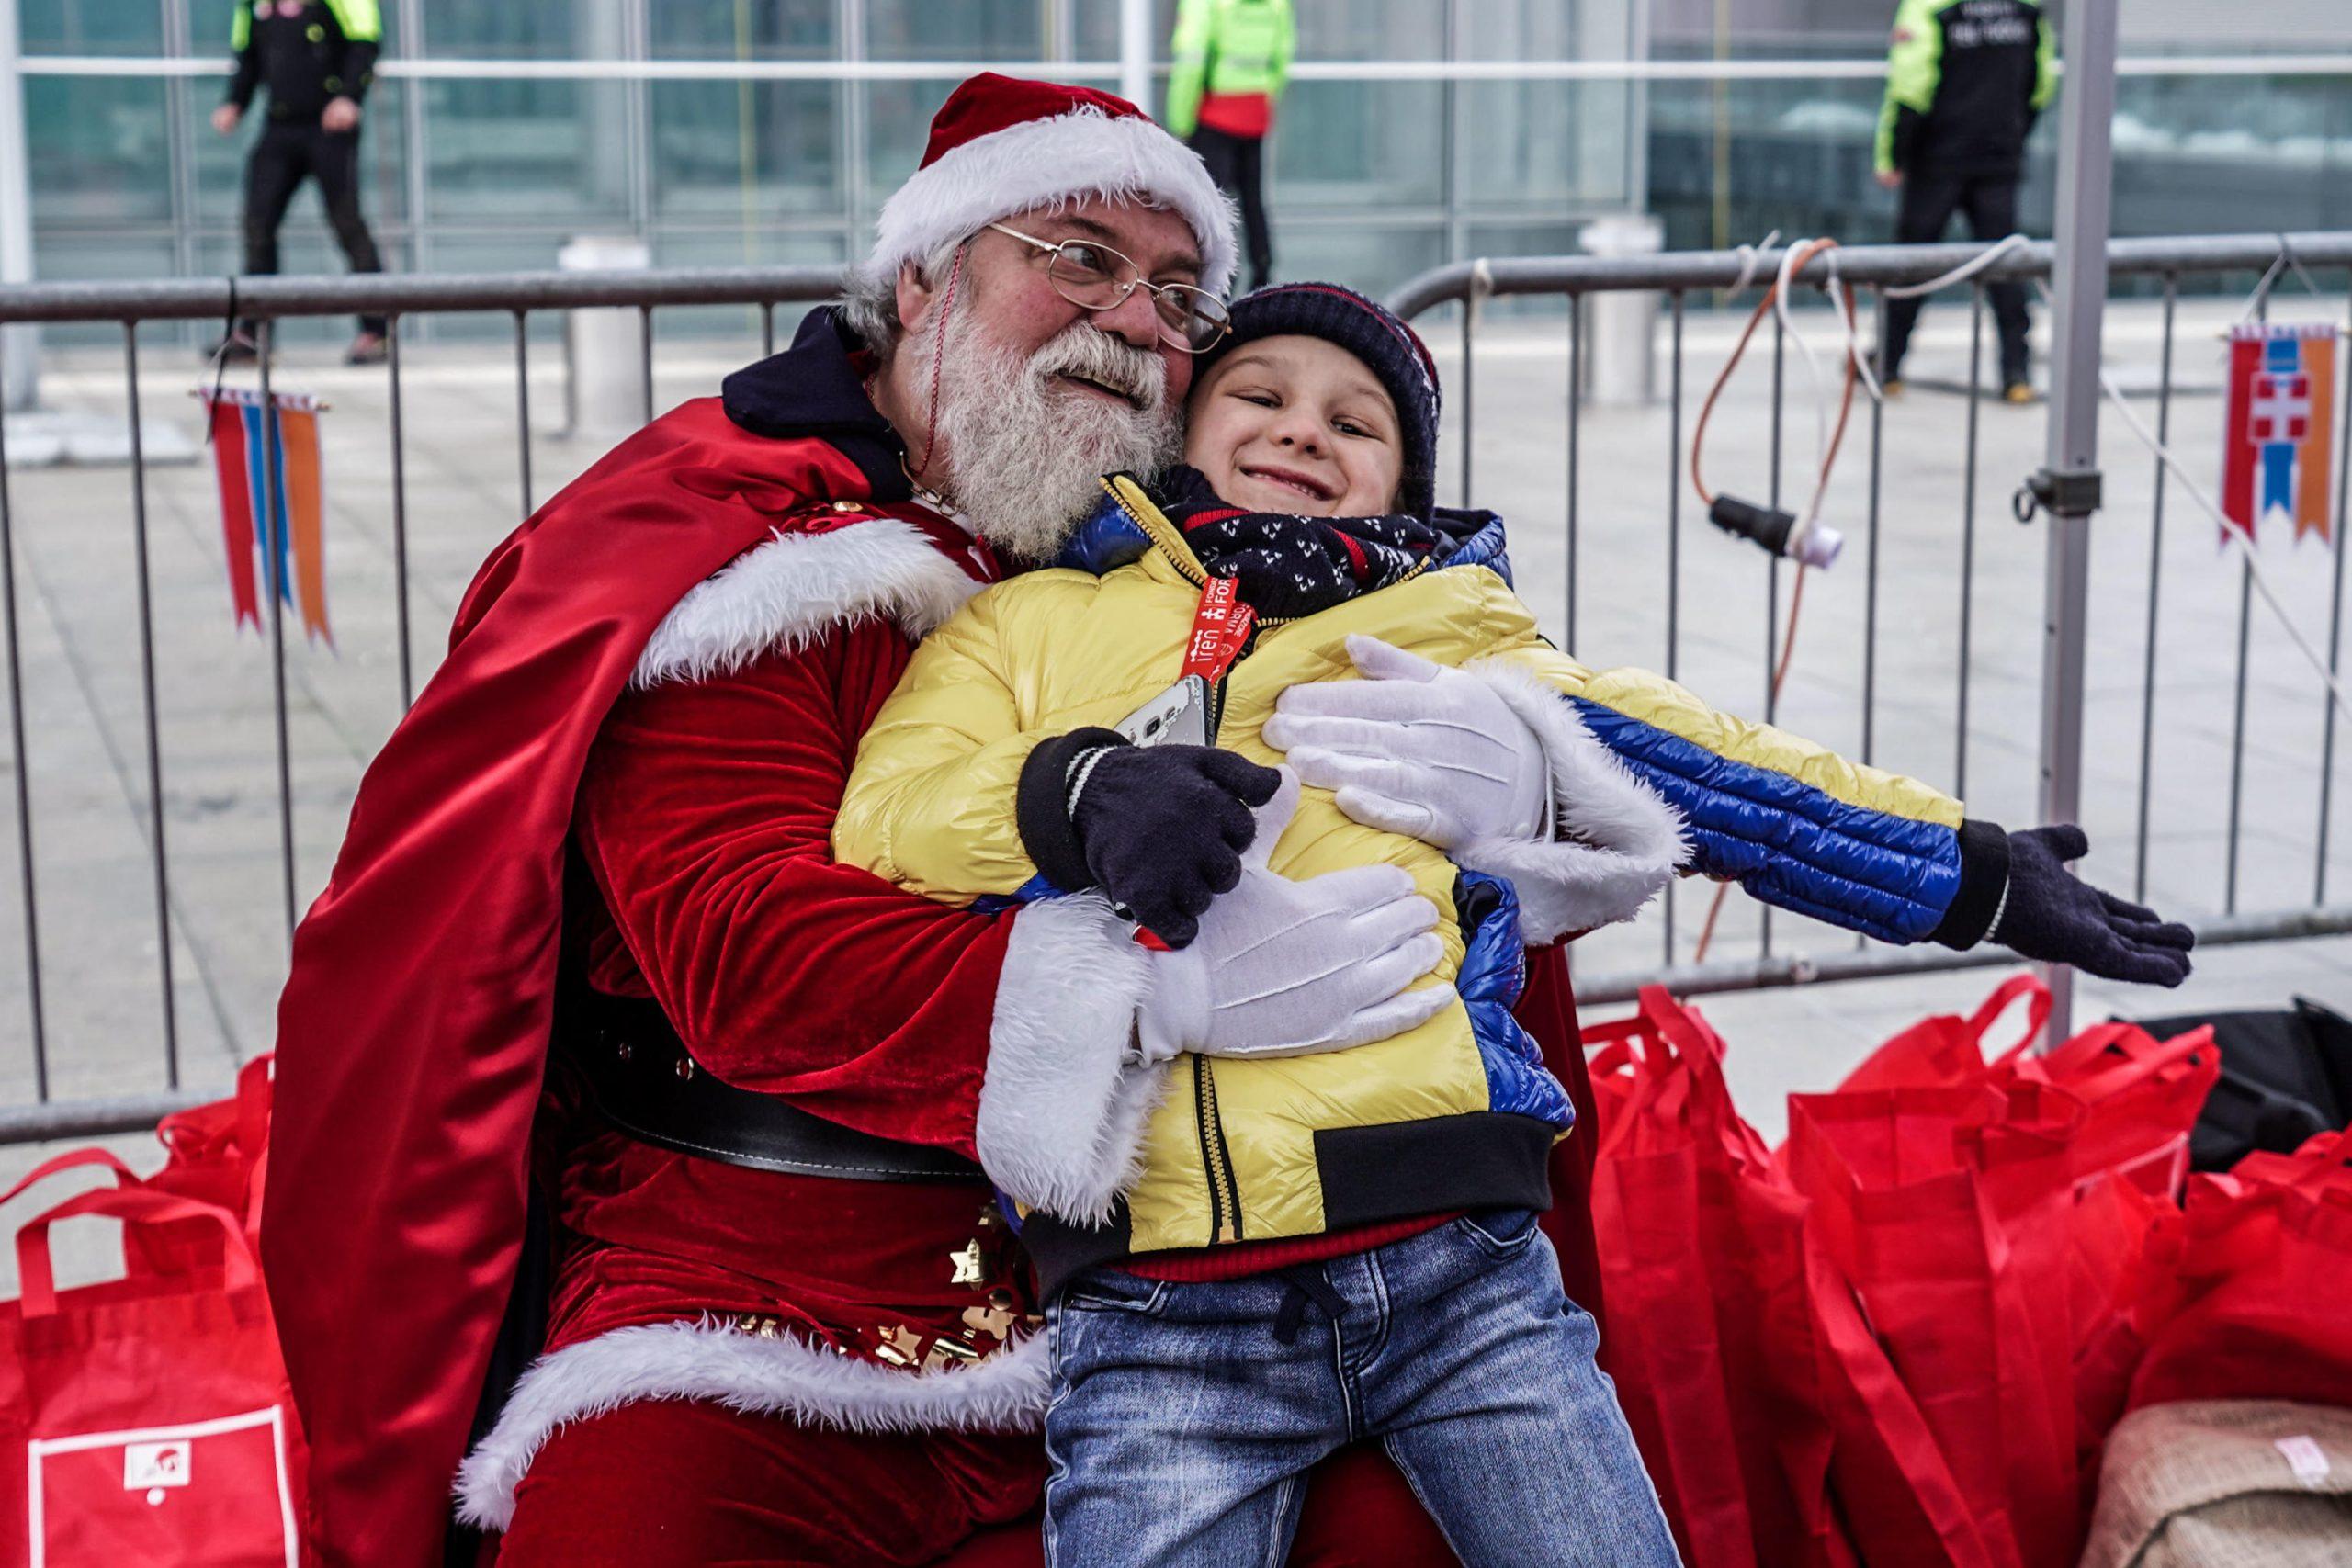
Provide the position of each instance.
(2226, 1483)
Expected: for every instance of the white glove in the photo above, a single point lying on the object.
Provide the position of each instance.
(1284, 968)
(1415, 749)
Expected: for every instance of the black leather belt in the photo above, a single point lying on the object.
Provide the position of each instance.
(643, 1081)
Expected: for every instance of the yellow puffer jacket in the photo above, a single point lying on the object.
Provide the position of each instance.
(1457, 1112)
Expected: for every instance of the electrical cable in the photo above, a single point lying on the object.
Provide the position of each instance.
(1827, 440)
(1749, 255)
(1799, 254)
(1964, 271)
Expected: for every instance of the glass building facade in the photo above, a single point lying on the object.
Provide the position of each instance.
(730, 132)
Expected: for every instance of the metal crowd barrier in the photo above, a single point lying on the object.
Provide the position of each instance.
(519, 295)
(266, 301)
(1872, 270)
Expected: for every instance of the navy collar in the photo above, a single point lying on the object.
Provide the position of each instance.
(813, 389)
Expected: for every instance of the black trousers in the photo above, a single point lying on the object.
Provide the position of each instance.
(1990, 202)
(287, 153)
(1237, 165)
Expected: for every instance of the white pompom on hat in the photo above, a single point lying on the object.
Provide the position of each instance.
(1000, 145)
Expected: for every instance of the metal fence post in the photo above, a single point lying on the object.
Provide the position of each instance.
(2068, 485)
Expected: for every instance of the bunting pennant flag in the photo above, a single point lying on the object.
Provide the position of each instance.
(2280, 422)
(236, 507)
(273, 506)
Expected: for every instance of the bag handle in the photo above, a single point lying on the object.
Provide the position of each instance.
(2143, 1057)
(2088, 1045)
(241, 1269)
(2037, 1014)
(72, 1159)
(1611, 1031)
(1674, 1024)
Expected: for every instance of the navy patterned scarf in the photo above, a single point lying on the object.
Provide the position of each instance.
(1288, 565)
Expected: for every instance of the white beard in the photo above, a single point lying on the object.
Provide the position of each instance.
(1025, 451)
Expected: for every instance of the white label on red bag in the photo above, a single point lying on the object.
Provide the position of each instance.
(154, 1464)
(2306, 1459)
(242, 1510)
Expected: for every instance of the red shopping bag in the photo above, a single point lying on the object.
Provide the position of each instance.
(2259, 1304)
(2142, 1094)
(2024, 1160)
(1948, 1049)
(150, 1416)
(1663, 1349)
(1894, 1494)
(1913, 1203)
(1719, 1362)
(2114, 1225)
(2324, 1164)
(215, 1153)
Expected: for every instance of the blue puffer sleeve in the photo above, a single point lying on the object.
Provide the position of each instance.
(1799, 826)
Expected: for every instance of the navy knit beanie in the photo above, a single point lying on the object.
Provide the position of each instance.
(1393, 352)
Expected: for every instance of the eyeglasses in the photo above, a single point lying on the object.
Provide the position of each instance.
(1096, 278)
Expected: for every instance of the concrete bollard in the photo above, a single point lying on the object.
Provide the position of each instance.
(603, 350)
(1620, 326)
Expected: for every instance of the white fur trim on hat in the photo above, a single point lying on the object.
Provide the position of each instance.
(1618, 841)
(718, 1362)
(1049, 164)
(1062, 1108)
(784, 594)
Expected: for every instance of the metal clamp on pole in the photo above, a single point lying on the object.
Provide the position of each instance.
(2062, 494)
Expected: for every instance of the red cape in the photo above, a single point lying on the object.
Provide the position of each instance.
(414, 1030)
(1547, 1009)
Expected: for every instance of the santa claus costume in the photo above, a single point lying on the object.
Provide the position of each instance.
(589, 1036)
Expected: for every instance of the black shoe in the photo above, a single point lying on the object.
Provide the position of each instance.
(235, 349)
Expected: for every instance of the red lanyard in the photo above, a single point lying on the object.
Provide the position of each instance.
(1220, 630)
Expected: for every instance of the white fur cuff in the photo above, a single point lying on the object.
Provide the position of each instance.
(1617, 842)
(1062, 1107)
(783, 594)
(714, 1362)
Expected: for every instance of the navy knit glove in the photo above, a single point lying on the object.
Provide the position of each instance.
(2051, 915)
(1159, 829)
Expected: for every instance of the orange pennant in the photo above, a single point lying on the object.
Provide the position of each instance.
(299, 437)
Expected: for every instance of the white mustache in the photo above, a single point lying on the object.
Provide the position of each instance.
(1083, 352)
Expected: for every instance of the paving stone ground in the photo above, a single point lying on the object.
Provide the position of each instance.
(87, 750)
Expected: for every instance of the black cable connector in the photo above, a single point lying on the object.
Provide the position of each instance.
(1774, 531)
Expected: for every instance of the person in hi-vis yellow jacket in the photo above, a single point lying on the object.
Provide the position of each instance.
(1966, 81)
(1232, 61)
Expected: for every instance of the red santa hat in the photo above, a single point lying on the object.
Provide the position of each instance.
(1000, 146)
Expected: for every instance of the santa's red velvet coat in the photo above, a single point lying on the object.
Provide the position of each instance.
(665, 672)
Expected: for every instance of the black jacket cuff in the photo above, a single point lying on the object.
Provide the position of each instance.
(1041, 807)
(1984, 878)
(1909, 125)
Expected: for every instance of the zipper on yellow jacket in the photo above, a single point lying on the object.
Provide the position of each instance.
(1224, 1190)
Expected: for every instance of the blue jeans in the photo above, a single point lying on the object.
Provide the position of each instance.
(1182, 1424)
